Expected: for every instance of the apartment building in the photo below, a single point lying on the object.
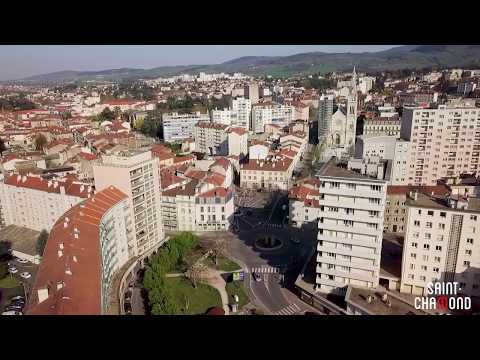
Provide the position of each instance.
(375, 146)
(396, 208)
(252, 92)
(271, 113)
(137, 174)
(274, 172)
(325, 113)
(237, 141)
(85, 249)
(197, 206)
(350, 229)
(211, 138)
(242, 109)
(225, 116)
(178, 127)
(382, 126)
(445, 141)
(37, 203)
(441, 243)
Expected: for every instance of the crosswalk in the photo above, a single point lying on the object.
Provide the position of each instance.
(291, 309)
(264, 270)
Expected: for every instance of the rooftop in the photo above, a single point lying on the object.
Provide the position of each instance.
(333, 168)
(70, 272)
(443, 202)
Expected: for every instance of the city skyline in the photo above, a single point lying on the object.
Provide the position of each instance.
(20, 61)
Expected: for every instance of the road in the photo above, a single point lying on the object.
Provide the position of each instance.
(269, 294)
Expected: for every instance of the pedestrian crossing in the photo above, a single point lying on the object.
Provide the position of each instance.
(291, 309)
(264, 270)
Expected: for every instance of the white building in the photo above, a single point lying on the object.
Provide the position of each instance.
(242, 109)
(371, 146)
(237, 141)
(441, 243)
(445, 142)
(211, 138)
(271, 113)
(226, 116)
(137, 175)
(365, 84)
(36, 203)
(178, 127)
(350, 229)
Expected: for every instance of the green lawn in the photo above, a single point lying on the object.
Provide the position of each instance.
(9, 282)
(200, 299)
(224, 264)
(236, 288)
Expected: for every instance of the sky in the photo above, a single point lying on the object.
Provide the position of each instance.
(19, 61)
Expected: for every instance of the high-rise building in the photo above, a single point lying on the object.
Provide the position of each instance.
(85, 248)
(441, 243)
(178, 127)
(350, 229)
(242, 108)
(211, 138)
(325, 112)
(252, 92)
(445, 141)
(137, 175)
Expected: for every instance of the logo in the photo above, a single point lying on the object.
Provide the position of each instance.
(444, 297)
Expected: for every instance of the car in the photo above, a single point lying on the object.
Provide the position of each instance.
(18, 302)
(25, 275)
(12, 313)
(257, 277)
(22, 261)
(13, 270)
(15, 298)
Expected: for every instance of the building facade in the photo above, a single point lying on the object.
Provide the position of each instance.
(211, 138)
(441, 243)
(445, 142)
(350, 229)
(178, 127)
(137, 174)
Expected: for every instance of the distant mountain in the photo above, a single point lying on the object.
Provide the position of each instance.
(402, 57)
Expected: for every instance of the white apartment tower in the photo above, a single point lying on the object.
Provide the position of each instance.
(445, 142)
(442, 243)
(137, 175)
(178, 127)
(242, 108)
(350, 229)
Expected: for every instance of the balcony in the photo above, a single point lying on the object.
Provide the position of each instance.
(367, 243)
(350, 192)
(359, 206)
(337, 261)
(350, 275)
(352, 253)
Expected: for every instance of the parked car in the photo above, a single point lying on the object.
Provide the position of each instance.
(13, 308)
(19, 297)
(13, 270)
(18, 303)
(26, 275)
(12, 313)
(22, 261)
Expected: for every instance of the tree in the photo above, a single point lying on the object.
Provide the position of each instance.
(195, 273)
(40, 141)
(219, 249)
(106, 115)
(42, 242)
(5, 249)
(3, 147)
(3, 270)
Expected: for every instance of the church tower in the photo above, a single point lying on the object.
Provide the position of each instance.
(352, 103)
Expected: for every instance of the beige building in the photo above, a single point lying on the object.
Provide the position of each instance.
(237, 141)
(396, 208)
(211, 138)
(445, 142)
(36, 203)
(273, 172)
(442, 243)
(382, 126)
(137, 174)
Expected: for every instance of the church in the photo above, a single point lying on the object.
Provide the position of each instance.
(339, 134)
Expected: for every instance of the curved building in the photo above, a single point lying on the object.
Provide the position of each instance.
(86, 246)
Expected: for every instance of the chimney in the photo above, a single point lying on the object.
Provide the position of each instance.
(62, 190)
(42, 295)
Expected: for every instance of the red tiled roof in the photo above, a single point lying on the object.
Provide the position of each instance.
(302, 193)
(183, 159)
(405, 189)
(87, 156)
(282, 164)
(196, 174)
(223, 162)
(215, 179)
(37, 183)
(216, 192)
(81, 289)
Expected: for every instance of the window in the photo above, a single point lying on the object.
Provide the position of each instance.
(416, 223)
(436, 270)
(437, 259)
(426, 247)
(424, 268)
(428, 236)
(413, 255)
(466, 263)
(412, 266)
(423, 278)
(414, 244)
(473, 217)
(430, 212)
(441, 226)
(469, 241)
(429, 225)
(468, 252)
(419, 212)
(223, 208)
(438, 248)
